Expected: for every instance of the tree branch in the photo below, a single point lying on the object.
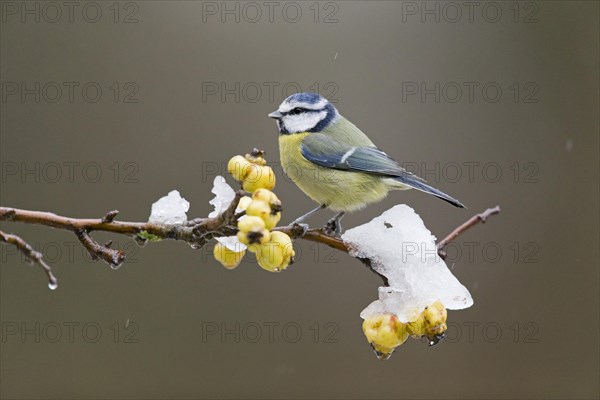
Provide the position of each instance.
(319, 236)
(313, 235)
(175, 232)
(197, 232)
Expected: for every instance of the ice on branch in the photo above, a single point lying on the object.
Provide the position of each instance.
(170, 209)
(224, 195)
(403, 250)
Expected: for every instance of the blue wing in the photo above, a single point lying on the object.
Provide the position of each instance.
(325, 151)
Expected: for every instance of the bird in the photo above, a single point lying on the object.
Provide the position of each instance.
(334, 163)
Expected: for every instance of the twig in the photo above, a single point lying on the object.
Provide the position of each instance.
(31, 254)
(97, 252)
(110, 216)
(226, 218)
(474, 220)
(313, 235)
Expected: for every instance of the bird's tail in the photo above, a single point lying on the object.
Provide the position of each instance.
(417, 183)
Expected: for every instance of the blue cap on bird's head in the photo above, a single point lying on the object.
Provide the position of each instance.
(307, 98)
(304, 112)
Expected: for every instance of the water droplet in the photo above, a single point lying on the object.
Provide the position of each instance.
(52, 285)
(141, 241)
(382, 356)
(569, 145)
(195, 246)
(435, 339)
(115, 267)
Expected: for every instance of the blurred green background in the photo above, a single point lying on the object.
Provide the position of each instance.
(164, 93)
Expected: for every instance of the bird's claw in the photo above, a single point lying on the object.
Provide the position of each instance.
(333, 227)
(299, 228)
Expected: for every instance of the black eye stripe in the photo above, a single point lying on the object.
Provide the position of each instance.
(299, 110)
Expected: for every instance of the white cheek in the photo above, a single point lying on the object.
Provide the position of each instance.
(303, 122)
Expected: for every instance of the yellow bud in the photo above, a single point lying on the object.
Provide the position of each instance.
(244, 203)
(274, 216)
(253, 247)
(384, 332)
(435, 319)
(285, 242)
(243, 237)
(265, 195)
(259, 208)
(238, 167)
(281, 238)
(417, 328)
(252, 230)
(259, 177)
(257, 157)
(272, 219)
(275, 203)
(270, 256)
(251, 223)
(228, 258)
(287, 261)
(263, 210)
(254, 237)
(431, 322)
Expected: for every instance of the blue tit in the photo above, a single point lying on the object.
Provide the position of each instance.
(334, 162)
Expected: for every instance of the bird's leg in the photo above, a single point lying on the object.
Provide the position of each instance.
(334, 226)
(308, 214)
(300, 221)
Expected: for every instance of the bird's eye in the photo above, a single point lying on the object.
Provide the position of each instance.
(297, 110)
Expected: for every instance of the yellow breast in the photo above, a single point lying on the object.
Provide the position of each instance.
(340, 190)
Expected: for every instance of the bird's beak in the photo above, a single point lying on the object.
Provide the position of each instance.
(275, 115)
